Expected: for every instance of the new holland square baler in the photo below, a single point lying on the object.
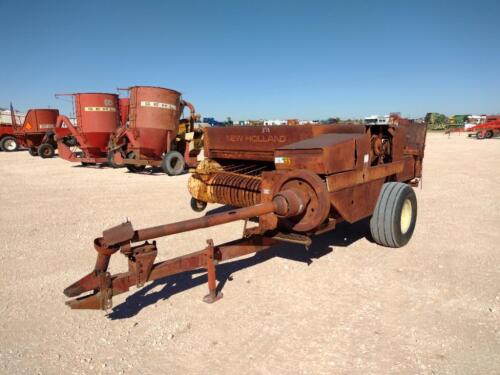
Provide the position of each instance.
(297, 180)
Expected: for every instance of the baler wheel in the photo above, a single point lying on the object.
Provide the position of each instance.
(9, 144)
(197, 205)
(134, 168)
(33, 152)
(46, 151)
(488, 134)
(395, 215)
(173, 163)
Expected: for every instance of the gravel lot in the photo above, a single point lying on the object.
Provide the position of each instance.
(347, 306)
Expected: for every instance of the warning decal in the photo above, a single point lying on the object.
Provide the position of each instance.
(282, 160)
(46, 126)
(100, 109)
(158, 105)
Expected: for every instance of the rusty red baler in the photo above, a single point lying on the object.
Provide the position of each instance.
(148, 138)
(96, 118)
(298, 181)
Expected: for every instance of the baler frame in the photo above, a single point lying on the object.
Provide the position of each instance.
(365, 174)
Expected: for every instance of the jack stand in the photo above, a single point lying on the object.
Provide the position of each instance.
(212, 295)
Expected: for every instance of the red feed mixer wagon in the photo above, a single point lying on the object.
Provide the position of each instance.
(149, 137)
(36, 133)
(97, 116)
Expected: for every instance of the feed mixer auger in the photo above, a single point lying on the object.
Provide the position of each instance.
(298, 181)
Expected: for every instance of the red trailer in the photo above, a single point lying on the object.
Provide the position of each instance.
(37, 131)
(86, 141)
(489, 129)
(149, 135)
(8, 141)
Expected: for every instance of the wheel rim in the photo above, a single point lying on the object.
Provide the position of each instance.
(10, 145)
(175, 164)
(46, 152)
(406, 216)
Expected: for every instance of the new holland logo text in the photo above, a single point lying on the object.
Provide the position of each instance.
(264, 138)
(46, 126)
(158, 105)
(100, 109)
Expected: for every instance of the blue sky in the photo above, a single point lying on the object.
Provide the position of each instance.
(259, 59)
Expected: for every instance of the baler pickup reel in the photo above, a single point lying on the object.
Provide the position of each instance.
(295, 200)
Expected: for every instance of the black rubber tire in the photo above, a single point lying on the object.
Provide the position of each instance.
(198, 206)
(33, 152)
(8, 148)
(134, 168)
(173, 163)
(488, 134)
(479, 135)
(46, 151)
(385, 224)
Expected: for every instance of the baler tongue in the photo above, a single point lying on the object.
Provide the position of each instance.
(96, 301)
(85, 284)
(100, 299)
(288, 203)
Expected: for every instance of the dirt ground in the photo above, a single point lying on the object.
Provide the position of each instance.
(347, 306)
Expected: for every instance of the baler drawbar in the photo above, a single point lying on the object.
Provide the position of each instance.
(286, 204)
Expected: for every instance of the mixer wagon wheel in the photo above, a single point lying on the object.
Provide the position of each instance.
(134, 168)
(395, 215)
(33, 152)
(9, 144)
(197, 205)
(173, 163)
(46, 151)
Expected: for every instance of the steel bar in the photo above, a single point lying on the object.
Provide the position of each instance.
(203, 222)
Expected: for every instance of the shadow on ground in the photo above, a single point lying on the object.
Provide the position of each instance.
(344, 235)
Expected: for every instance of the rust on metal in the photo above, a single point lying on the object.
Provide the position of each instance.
(86, 140)
(297, 180)
(37, 130)
(150, 125)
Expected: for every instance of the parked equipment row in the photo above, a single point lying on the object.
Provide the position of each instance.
(145, 129)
